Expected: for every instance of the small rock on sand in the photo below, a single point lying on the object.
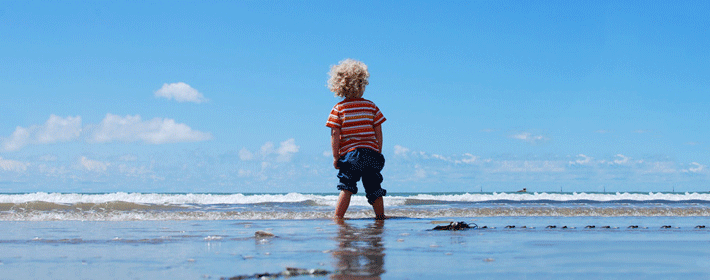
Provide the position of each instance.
(263, 234)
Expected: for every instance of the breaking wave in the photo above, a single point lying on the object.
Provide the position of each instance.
(160, 206)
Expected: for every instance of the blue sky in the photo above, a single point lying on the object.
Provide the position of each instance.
(230, 96)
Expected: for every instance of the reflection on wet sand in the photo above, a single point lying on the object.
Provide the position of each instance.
(360, 252)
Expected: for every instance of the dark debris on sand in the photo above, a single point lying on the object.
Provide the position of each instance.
(455, 226)
(289, 272)
(463, 226)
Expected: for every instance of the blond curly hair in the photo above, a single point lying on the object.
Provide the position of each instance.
(348, 79)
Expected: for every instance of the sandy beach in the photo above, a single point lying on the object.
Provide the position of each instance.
(358, 249)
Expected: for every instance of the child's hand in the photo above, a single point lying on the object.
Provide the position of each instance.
(335, 163)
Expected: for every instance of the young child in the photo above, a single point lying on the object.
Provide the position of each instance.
(356, 137)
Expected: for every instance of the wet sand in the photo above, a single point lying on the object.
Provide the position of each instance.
(402, 248)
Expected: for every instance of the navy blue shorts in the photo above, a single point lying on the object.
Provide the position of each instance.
(366, 164)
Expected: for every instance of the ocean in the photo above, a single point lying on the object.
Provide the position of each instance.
(249, 236)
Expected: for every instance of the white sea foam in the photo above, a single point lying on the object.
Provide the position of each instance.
(296, 206)
(162, 199)
(564, 197)
(360, 213)
(191, 199)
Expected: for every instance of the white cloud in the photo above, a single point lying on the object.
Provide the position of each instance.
(400, 151)
(181, 92)
(245, 154)
(112, 128)
(53, 171)
(155, 131)
(18, 139)
(621, 159)
(528, 137)
(58, 129)
(13, 165)
(55, 129)
(697, 168)
(268, 151)
(419, 172)
(286, 150)
(581, 160)
(440, 157)
(244, 173)
(408, 154)
(133, 171)
(93, 165)
(470, 159)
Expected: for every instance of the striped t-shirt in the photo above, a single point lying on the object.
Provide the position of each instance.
(357, 119)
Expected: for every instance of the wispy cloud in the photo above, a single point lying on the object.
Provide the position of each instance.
(528, 166)
(406, 153)
(582, 160)
(155, 131)
(468, 159)
(55, 129)
(400, 150)
(419, 172)
(694, 168)
(112, 128)
(286, 150)
(283, 153)
(528, 137)
(93, 165)
(245, 154)
(657, 167)
(620, 160)
(13, 165)
(181, 92)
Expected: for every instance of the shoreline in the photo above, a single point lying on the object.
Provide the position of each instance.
(359, 247)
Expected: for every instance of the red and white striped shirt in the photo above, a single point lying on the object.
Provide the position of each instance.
(357, 119)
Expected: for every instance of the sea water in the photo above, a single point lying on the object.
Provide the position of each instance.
(213, 236)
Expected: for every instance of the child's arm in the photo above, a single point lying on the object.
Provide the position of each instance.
(378, 136)
(335, 144)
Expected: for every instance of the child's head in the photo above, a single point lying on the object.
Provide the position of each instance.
(348, 79)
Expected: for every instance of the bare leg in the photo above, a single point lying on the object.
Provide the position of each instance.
(343, 204)
(379, 207)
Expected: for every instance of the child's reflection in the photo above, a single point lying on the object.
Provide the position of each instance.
(360, 253)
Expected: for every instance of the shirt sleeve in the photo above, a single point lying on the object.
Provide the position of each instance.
(334, 120)
(379, 117)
